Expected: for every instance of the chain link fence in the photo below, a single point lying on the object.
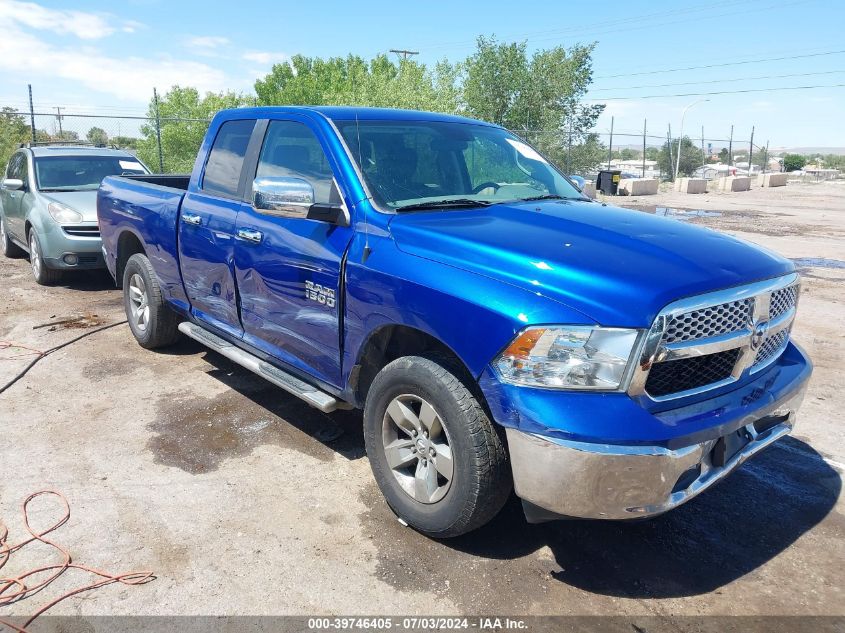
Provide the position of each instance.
(170, 145)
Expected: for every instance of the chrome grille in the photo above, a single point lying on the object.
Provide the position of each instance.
(783, 300)
(771, 347)
(709, 321)
(703, 342)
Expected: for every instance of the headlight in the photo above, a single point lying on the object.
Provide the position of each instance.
(62, 214)
(568, 357)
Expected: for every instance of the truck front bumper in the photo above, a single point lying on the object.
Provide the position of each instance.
(559, 476)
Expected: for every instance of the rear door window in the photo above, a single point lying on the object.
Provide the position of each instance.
(226, 158)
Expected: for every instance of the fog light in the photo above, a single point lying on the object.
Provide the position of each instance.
(70, 259)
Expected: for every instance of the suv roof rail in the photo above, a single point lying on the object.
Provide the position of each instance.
(57, 144)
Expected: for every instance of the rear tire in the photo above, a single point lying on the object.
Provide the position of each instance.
(151, 320)
(442, 467)
(44, 276)
(9, 248)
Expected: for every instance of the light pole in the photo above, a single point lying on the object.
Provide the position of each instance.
(681, 135)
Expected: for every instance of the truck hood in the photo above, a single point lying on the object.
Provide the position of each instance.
(616, 266)
(83, 201)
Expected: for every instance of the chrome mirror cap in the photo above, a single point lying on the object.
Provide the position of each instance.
(282, 196)
(13, 183)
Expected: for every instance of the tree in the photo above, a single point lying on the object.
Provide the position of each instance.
(13, 131)
(724, 156)
(124, 142)
(97, 136)
(352, 80)
(185, 116)
(544, 92)
(793, 162)
(691, 158)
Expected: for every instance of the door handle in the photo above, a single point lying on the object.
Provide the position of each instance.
(250, 235)
(192, 218)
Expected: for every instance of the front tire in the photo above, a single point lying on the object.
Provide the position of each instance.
(9, 248)
(434, 452)
(151, 320)
(44, 275)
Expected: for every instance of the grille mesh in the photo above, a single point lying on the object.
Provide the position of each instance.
(783, 300)
(710, 321)
(771, 347)
(690, 373)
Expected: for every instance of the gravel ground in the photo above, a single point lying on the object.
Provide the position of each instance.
(243, 500)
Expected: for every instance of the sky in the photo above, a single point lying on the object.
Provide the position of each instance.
(88, 56)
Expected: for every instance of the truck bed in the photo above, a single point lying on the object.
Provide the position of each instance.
(147, 206)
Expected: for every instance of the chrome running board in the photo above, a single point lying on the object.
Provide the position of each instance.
(293, 385)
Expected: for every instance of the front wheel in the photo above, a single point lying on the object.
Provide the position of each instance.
(44, 275)
(152, 322)
(434, 452)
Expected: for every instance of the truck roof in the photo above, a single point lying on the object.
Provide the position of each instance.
(71, 150)
(349, 113)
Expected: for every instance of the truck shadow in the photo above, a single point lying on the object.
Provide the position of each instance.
(716, 538)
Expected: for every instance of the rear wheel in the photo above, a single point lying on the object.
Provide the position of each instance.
(44, 275)
(152, 322)
(435, 454)
(9, 248)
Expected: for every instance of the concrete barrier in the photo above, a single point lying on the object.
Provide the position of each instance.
(638, 186)
(734, 183)
(771, 180)
(589, 189)
(691, 185)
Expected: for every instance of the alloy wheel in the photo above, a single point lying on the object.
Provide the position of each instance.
(139, 302)
(417, 448)
(34, 255)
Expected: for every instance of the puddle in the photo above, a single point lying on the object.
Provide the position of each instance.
(198, 435)
(685, 214)
(818, 262)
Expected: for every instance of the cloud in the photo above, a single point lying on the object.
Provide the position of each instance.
(129, 78)
(207, 41)
(84, 25)
(265, 57)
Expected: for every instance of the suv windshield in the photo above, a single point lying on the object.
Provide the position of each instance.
(81, 173)
(411, 165)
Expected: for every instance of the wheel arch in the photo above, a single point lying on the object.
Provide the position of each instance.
(391, 341)
(128, 244)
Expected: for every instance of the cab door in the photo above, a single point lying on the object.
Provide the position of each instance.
(288, 266)
(207, 229)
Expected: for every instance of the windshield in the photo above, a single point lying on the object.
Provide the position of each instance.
(81, 173)
(420, 164)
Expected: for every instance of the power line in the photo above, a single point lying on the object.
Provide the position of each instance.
(718, 81)
(755, 61)
(721, 92)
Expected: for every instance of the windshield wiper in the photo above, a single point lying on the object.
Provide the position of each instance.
(455, 203)
(548, 196)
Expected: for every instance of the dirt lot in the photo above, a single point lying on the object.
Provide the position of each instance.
(245, 501)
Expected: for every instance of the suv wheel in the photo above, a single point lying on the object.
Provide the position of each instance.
(9, 248)
(44, 275)
(435, 454)
(152, 322)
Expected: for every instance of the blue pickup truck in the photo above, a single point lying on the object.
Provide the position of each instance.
(500, 330)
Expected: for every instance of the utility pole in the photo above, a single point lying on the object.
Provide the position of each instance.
(766, 158)
(31, 113)
(404, 54)
(158, 134)
(59, 119)
(750, 150)
(645, 123)
(703, 155)
(610, 145)
(569, 149)
(731, 149)
(669, 145)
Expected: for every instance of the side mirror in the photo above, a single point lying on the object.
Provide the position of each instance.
(286, 197)
(293, 198)
(13, 183)
(578, 181)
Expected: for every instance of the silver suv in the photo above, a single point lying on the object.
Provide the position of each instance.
(48, 206)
